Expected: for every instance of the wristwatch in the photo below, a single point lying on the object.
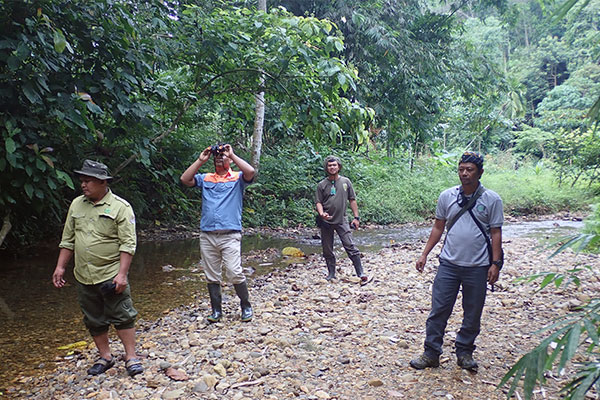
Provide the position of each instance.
(498, 263)
(356, 218)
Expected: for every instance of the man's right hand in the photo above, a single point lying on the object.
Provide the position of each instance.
(421, 263)
(326, 216)
(57, 277)
(205, 155)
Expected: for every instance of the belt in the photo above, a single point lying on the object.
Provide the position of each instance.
(221, 232)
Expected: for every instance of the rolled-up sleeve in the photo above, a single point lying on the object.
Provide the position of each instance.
(68, 236)
(126, 231)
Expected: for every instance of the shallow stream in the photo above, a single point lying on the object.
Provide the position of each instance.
(36, 318)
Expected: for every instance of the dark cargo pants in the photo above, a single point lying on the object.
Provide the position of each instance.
(345, 235)
(448, 281)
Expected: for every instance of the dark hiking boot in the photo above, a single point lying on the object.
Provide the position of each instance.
(466, 361)
(424, 361)
(330, 272)
(241, 289)
(214, 291)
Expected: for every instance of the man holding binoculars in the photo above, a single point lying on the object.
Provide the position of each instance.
(221, 223)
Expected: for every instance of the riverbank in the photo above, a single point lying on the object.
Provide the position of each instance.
(311, 339)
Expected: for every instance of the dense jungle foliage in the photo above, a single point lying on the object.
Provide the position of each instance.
(397, 88)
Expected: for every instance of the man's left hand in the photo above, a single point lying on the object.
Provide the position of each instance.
(493, 273)
(355, 223)
(228, 150)
(121, 282)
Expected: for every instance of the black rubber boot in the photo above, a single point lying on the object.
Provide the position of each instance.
(330, 270)
(357, 265)
(214, 290)
(241, 289)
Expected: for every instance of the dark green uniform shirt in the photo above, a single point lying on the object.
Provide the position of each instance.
(98, 233)
(334, 198)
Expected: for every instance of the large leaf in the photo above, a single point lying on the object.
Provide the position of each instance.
(10, 145)
(59, 41)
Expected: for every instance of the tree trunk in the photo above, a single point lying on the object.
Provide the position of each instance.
(6, 227)
(259, 112)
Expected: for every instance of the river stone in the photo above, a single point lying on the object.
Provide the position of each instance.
(321, 394)
(210, 380)
(376, 382)
(173, 394)
(220, 369)
(264, 330)
(164, 365)
(200, 387)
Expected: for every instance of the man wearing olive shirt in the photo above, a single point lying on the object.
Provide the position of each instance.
(100, 232)
(332, 196)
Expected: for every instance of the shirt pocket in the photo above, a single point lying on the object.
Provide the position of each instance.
(219, 189)
(79, 222)
(481, 212)
(106, 225)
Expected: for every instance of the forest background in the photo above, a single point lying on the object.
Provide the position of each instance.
(397, 89)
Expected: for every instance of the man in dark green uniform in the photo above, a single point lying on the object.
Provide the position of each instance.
(100, 232)
(332, 196)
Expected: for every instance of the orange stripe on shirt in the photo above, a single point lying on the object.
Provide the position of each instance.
(230, 176)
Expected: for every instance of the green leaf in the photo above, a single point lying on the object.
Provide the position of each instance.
(59, 41)
(61, 175)
(29, 190)
(571, 345)
(93, 107)
(531, 374)
(13, 63)
(339, 45)
(40, 165)
(10, 145)
(31, 93)
(51, 183)
(48, 161)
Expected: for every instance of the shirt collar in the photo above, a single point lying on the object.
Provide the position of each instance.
(105, 200)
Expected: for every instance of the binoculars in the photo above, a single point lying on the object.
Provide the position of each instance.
(217, 149)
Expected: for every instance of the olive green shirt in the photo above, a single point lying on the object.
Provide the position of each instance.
(335, 202)
(98, 233)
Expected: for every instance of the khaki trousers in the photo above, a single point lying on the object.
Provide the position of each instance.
(220, 250)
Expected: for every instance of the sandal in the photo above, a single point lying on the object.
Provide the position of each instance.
(134, 367)
(101, 365)
(365, 280)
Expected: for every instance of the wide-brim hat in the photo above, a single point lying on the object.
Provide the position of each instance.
(94, 169)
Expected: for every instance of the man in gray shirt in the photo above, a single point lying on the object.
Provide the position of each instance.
(333, 194)
(471, 256)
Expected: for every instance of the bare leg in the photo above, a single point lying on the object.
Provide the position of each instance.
(127, 337)
(103, 346)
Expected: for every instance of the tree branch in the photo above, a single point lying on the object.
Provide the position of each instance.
(6, 227)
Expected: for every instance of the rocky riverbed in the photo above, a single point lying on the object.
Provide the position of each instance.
(312, 339)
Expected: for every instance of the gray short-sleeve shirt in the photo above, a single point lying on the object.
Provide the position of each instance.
(465, 244)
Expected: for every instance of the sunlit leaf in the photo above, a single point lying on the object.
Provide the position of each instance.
(59, 41)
